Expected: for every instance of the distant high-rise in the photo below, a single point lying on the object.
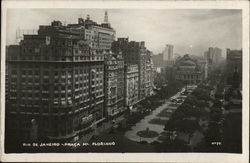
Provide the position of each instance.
(213, 58)
(168, 55)
(213, 55)
(216, 56)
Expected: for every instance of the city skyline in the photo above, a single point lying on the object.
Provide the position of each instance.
(218, 24)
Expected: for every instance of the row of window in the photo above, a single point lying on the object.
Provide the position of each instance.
(80, 81)
(44, 57)
(188, 76)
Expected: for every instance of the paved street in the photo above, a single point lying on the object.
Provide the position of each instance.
(144, 123)
(104, 127)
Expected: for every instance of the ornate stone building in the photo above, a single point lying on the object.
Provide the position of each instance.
(132, 85)
(120, 82)
(136, 53)
(110, 85)
(188, 70)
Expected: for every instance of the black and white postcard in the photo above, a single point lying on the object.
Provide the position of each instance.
(125, 81)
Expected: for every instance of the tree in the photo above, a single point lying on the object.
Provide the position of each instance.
(191, 100)
(201, 104)
(216, 113)
(217, 104)
(201, 112)
(201, 93)
(188, 126)
(187, 109)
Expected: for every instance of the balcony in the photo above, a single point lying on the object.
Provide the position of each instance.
(77, 96)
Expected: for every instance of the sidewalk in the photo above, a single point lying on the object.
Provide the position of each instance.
(99, 130)
(145, 123)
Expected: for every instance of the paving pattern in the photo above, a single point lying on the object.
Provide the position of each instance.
(144, 123)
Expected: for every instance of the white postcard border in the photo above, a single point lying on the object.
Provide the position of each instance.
(134, 157)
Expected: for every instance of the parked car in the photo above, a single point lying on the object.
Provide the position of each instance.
(185, 93)
(173, 100)
(179, 101)
(181, 97)
(169, 111)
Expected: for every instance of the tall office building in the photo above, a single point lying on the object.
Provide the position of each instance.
(217, 56)
(213, 55)
(56, 81)
(168, 55)
(213, 58)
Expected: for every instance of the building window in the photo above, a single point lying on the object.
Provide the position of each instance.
(46, 73)
(46, 81)
(37, 50)
(30, 80)
(14, 72)
(36, 72)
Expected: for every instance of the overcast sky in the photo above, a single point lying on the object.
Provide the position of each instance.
(190, 31)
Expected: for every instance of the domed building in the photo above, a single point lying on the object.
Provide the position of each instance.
(188, 70)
